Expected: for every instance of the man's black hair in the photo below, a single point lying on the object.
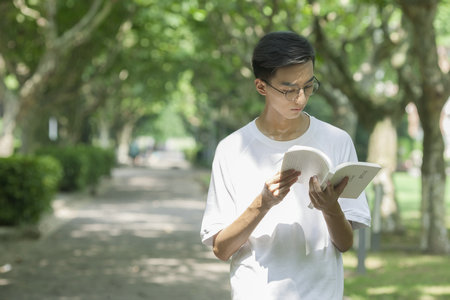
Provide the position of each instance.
(280, 49)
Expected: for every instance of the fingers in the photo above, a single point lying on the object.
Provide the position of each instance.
(328, 197)
(341, 186)
(285, 175)
(314, 190)
(314, 185)
(282, 179)
(279, 186)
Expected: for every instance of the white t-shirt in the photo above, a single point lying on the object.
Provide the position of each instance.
(289, 255)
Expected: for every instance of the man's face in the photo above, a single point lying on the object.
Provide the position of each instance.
(296, 81)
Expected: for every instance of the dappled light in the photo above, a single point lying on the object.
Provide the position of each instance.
(145, 239)
(399, 276)
(382, 290)
(374, 263)
(173, 271)
(435, 290)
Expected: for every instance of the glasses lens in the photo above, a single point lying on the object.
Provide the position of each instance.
(308, 90)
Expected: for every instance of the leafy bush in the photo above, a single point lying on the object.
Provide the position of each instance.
(103, 160)
(100, 162)
(27, 187)
(74, 165)
(82, 165)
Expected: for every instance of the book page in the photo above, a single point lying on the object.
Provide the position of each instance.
(360, 174)
(309, 161)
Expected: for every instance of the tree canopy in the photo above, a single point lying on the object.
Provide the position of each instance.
(109, 70)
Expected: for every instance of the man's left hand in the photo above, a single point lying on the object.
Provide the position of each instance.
(325, 200)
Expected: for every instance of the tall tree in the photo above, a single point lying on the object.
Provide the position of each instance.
(430, 88)
(32, 72)
(355, 62)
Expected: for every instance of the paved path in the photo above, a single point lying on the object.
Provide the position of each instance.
(138, 239)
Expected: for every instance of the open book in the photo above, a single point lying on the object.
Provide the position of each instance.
(311, 161)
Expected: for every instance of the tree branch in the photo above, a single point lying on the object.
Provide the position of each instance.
(29, 12)
(341, 78)
(51, 30)
(81, 31)
(420, 17)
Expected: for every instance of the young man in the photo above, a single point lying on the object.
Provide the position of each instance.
(280, 248)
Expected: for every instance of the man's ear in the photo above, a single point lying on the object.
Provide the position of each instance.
(260, 86)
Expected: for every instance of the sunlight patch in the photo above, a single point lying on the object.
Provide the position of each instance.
(423, 259)
(437, 290)
(374, 262)
(350, 261)
(4, 282)
(382, 290)
(185, 204)
(168, 271)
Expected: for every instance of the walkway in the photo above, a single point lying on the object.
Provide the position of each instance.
(138, 239)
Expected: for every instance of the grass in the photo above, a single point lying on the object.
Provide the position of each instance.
(404, 273)
(398, 275)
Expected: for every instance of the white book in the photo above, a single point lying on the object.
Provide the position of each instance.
(311, 161)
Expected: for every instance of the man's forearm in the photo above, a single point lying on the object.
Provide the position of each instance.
(340, 229)
(230, 239)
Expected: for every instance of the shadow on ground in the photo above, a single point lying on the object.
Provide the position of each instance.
(138, 239)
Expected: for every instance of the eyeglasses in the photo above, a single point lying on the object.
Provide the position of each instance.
(292, 95)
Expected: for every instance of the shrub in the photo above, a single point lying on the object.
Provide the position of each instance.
(27, 187)
(100, 162)
(83, 165)
(74, 164)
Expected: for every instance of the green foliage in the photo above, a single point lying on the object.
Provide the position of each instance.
(27, 186)
(165, 125)
(189, 62)
(318, 107)
(442, 23)
(82, 165)
(100, 162)
(74, 164)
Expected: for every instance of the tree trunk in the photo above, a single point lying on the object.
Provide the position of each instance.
(434, 232)
(10, 112)
(434, 85)
(123, 141)
(28, 125)
(383, 150)
(103, 132)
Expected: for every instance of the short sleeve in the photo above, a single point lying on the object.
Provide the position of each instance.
(355, 210)
(220, 208)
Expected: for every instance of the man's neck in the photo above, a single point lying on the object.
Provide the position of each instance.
(281, 129)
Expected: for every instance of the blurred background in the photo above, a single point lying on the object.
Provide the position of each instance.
(146, 82)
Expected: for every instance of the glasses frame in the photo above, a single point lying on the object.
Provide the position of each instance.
(297, 90)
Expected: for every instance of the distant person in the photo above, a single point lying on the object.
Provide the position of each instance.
(279, 248)
(133, 152)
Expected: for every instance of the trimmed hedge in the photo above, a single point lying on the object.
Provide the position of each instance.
(100, 162)
(83, 165)
(73, 164)
(27, 187)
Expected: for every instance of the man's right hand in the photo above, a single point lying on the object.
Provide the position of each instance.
(276, 188)
(230, 239)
